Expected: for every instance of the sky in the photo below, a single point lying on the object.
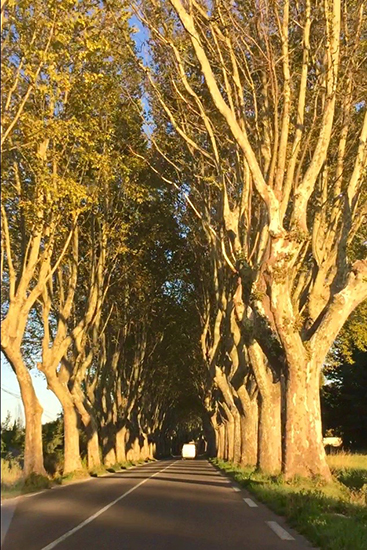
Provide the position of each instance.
(11, 400)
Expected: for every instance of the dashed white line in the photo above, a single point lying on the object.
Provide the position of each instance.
(282, 533)
(250, 503)
(101, 511)
(236, 489)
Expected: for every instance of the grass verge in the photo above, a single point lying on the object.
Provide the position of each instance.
(332, 516)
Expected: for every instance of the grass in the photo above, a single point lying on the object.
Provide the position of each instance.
(14, 484)
(349, 469)
(333, 516)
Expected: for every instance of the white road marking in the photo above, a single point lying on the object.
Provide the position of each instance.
(250, 502)
(104, 509)
(282, 533)
(236, 489)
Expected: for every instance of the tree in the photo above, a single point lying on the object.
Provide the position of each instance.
(267, 100)
(59, 157)
(32, 35)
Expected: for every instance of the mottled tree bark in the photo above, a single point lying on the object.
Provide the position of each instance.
(33, 449)
(72, 461)
(249, 428)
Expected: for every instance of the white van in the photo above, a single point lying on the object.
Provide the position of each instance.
(189, 450)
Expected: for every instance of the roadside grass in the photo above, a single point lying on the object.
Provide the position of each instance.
(349, 469)
(14, 484)
(333, 516)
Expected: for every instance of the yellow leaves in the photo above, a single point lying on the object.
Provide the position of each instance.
(42, 149)
(91, 78)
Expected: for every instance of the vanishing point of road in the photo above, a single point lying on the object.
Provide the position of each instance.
(165, 505)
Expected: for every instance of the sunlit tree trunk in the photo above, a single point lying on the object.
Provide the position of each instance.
(249, 427)
(91, 430)
(33, 452)
(121, 444)
(72, 461)
(270, 430)
(304, 449)
(221, 440)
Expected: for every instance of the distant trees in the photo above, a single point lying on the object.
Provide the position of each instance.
(343, 401)
(344, 393)
(12, 439)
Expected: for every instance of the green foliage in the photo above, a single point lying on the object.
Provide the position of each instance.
(11, 473)
(344, 401)
(53, 442)
(353, 336)
(35, 482)
(12, 439)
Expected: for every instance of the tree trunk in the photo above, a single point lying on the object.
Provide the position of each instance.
(93, 454)
(210, 435)
(216, 431)
(109, 444)
(304, 450)
(230, 437)
(145, 447)
(221, 441)
(121, 444)
(237, 438)
(249, 436)
(270, 427)
(72, 461)
(270, 431)
(33, 449)
(91, 429)
(109, 458)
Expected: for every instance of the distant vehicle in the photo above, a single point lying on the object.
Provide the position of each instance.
(189, 450)
(333, 441)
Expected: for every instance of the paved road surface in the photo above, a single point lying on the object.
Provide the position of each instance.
(167, 505)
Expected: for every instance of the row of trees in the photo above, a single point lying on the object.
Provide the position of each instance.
(262, 121)
(206, 268)
(91, 248)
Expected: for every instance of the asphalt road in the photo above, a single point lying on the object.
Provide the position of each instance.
(167, 505)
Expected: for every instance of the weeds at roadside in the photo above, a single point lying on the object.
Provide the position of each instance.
(13, 482)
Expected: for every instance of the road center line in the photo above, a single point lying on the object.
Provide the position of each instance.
(250, 503)
(282, 533)
(104, 509)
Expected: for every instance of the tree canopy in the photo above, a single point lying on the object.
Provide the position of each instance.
(183, 222)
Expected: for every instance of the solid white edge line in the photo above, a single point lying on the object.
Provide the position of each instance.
(104, 509)
(282, 533)
(250, 503)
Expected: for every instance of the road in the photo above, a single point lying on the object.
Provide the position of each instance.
(166, 505)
